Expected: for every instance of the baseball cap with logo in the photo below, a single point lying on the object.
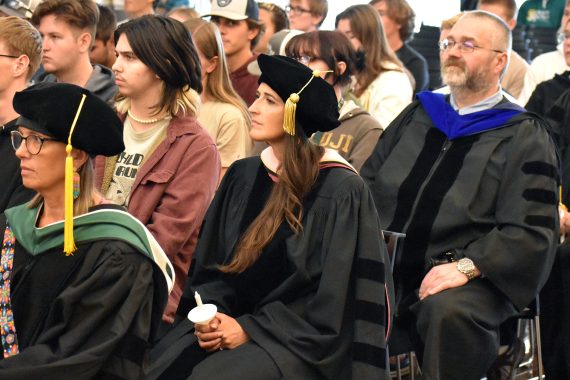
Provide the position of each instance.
(19, 8)
(235, 9)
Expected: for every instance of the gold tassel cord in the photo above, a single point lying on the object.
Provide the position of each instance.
(68, 239)
(291, 105)
(290, 113)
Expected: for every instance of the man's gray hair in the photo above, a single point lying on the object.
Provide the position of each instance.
(501, 36)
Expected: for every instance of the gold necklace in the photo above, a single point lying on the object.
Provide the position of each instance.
(146, 121)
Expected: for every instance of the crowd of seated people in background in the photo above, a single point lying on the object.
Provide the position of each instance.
(251, 156)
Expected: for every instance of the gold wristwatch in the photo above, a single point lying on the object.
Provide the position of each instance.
(466, 267)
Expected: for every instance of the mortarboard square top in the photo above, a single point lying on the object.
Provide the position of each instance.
(317, 105)
(50, 108)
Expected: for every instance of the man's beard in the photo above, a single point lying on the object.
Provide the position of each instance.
(455, 74)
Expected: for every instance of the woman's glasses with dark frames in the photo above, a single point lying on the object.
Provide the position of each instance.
(34, 143)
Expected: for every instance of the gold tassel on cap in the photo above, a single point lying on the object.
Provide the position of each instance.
(68, 240)
(291, 105)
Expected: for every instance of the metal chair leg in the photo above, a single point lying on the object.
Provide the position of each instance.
(538, 346)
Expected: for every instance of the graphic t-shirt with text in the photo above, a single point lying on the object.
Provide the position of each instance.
(138, 147)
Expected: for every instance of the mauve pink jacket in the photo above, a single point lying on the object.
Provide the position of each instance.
(171, 193)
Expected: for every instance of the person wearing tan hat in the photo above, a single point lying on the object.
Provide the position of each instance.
(238, 21)
(290, 253)
(19, 8)
(84, 283)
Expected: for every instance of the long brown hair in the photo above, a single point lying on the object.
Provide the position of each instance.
(218, 86)
(297, 176)
(366, 25)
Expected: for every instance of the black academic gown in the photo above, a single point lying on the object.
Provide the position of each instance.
(315, 302)
(490, 196)
(85, 316)
(555, 296)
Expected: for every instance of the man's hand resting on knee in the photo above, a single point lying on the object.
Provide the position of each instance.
(441, 277)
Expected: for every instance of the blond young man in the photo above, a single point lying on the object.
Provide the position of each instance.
(20, 57)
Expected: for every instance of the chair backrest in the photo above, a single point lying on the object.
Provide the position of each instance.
(426, 43)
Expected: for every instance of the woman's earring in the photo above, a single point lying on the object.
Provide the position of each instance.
(76, 185)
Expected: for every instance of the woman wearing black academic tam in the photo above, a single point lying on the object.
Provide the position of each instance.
(290, 253)
(84, 283)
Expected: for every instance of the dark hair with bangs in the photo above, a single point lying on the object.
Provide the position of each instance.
(166, 47)
(329, 46)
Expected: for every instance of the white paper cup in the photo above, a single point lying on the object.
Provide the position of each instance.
(203, 315)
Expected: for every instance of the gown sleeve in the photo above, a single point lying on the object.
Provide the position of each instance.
(517, 254)
(97, 327)
(219, 231)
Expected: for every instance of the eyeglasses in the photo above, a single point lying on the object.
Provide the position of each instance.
(34, 143)
(304, 59)
(297, 11)
(8, 56)
(562, 36)
(464, 47)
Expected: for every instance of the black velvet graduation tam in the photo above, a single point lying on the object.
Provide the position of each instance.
(317, 106)
(50, 108)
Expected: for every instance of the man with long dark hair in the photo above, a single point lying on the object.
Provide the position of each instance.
(169, 170)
